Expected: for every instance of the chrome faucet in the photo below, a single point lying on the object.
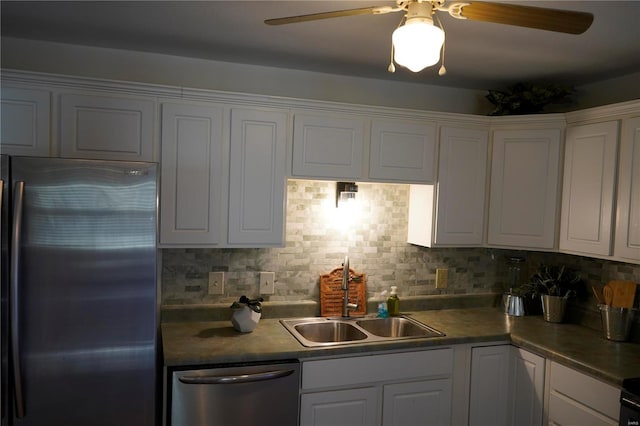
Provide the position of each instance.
(346, 306)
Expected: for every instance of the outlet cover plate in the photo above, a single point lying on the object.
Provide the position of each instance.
(442, 278)
(267, 282)
(216, 282)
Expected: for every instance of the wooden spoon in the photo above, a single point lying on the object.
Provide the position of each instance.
(624, 293)
(607, 291)
(598, 295)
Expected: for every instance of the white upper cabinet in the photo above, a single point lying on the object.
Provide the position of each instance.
(25, 122)
(257, 177)
(627, 236)
(192, 178)
(402, 151)
(361, 148)
(106, 128)
(460, 193)
(524, 188)
(328, 146)
(588, 188)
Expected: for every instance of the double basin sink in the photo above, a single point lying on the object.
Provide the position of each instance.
(321, 331)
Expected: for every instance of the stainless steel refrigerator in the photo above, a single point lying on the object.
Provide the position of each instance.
(79, 307)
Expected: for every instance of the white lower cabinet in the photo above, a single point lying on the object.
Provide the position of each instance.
(506, 387)
(578, 399)
(353, 407)
(427, 402)
(408, 388)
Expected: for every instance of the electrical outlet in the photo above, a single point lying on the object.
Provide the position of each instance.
(442, 278)
(267, 282)
(216, 282)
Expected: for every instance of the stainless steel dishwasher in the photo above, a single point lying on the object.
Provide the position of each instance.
(248, 394)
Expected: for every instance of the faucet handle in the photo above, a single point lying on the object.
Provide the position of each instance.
(353, 306)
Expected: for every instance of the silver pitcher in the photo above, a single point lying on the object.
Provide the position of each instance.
(513, 305)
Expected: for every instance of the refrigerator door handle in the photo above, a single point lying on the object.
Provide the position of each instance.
(13, 299)
(240, 378)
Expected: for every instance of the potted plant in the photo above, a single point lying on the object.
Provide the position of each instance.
(555, 285)
(527, 98)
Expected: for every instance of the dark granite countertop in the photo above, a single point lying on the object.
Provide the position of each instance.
(199, 343)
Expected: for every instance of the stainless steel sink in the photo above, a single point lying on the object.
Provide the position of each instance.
(330, 331)
(319, 331)
(397, 327)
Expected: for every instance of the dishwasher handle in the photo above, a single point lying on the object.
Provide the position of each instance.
(240, 378)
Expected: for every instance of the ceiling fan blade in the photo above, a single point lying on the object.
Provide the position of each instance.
(328, 15)
(563, 21)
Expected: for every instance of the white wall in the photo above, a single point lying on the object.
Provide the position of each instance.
(609, 91)
(67, 59)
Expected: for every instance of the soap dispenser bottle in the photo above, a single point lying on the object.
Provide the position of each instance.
(393, 303)
(382, 305)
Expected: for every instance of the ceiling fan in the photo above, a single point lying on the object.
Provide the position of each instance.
(417, 41)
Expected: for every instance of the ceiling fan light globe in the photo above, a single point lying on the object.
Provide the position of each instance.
(417, 44)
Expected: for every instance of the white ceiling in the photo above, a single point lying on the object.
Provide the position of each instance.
(479, 55)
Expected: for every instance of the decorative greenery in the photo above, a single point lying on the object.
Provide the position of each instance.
(554, 281)
(253, 304)
(527, 98)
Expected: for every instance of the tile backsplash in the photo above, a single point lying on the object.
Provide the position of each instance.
(373, 233)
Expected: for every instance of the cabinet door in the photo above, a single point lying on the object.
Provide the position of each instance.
(402, 151)
(527, 376)
(191, 168)
(417, 403)
(25, 122)
(524, 188)
(353, 407)
(490, 395)
(326, 146)
(588, 188)
(257, 177)
(104, 128)
(578, 399)
(507, 386)
(627, 240)
(461, 192)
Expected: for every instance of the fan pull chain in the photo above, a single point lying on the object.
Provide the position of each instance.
(392, 68)
(442, 71)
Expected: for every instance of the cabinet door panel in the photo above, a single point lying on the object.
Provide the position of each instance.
(192, 178)
(417, 403)
(627, 240)
(353, 407)
(588, 188)
(25, 122)
(461, 186)
(106, 128)
(402, 151)
(328, 147)
(528, 388)
(490, 393)
(257, 177)
(524, 188)
(576, 394)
